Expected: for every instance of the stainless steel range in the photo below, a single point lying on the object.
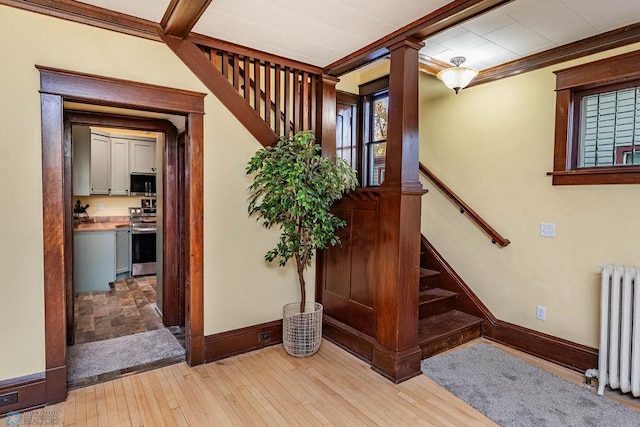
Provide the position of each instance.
(143, 239)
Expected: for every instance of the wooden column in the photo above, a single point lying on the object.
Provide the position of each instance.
(53, 218)
(396, 354)
(326, 114)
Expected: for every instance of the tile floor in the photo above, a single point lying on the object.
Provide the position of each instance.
(128, 308)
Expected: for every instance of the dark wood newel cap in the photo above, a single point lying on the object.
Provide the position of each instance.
(328, 79)
(407, 42)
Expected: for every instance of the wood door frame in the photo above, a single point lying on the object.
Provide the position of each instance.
(173, 288)
(57, 86)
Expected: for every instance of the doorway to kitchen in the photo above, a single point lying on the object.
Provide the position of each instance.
(182, 220)
(115, 304)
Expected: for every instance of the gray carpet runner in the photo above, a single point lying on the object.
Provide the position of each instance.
(514, 393)
(100, 357)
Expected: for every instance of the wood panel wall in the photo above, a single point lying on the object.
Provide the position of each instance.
(348, 270)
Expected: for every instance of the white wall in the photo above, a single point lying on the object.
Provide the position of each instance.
(240, 289)
(492, 145)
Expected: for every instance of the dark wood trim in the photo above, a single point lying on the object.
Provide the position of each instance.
(182, 15)
(56, 383)
(128, 95)
(374, 86)
(108, 120)
(116, 92)
(172, 285)
(209, 75)
(468, 301)
(53, 222)
(617, 68)
(95, 16)
(243, 340)
(465, 209)
(262, 56)
(563, 352)
(571, 84)
(396, 366)
(606, 176)
(194, 241)
(396, 353)
(557, 350)
(31, 391)
(350, 339)
(431, 66)
(347, 98)
(182, 227)
(452, 14)
(68, 234)
(326, 114)
(599, 43)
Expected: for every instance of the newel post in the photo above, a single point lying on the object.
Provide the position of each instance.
(396, 353)
(326, 114)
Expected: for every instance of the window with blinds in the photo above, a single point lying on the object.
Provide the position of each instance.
(610, 128)
(597, 132)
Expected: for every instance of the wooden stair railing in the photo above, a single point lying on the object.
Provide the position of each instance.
(464, 208)
(282, 94)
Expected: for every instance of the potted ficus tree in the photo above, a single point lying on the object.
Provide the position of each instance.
(293, 188)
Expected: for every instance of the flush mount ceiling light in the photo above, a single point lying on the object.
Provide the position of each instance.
(457, 77)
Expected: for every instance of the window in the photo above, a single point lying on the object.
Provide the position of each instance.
(376, 141)
(346, 128)
(609, 128)
(375, 110)
(598, 122)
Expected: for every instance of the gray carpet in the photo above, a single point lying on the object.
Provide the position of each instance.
(514, 393)
(100, 357)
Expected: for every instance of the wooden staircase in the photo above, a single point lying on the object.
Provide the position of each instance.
(443, 321)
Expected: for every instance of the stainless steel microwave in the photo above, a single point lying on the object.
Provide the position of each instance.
(142, 185)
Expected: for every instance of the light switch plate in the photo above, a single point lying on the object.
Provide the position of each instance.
(547, 229)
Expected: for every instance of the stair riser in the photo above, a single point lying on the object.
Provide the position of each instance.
(450, 341)
(433, 308)
(429, 282)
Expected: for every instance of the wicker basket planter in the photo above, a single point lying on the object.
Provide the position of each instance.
(302, 332)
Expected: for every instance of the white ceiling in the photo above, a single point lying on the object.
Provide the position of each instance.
(312, 31)
(321, 32)
(525, 27)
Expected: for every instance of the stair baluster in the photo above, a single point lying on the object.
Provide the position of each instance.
(282, 95)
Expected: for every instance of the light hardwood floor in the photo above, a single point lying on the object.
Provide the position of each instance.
(268, 387)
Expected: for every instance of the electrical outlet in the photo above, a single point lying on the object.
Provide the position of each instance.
(100, 206)
(547, 229)
(264, 336)
(9, 399)
(541, 312)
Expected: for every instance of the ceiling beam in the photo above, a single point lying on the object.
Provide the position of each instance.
(609, 40)
(91, 15)
(182, 15)
(447, 16)
(432, 66)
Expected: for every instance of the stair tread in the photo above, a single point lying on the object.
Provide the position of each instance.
(451, 322)
(425, 272)
(435, 294)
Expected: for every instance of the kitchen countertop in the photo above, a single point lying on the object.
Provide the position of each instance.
(100, 226)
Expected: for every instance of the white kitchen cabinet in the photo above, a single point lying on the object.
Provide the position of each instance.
(142, 156)
(81, 143)
(94, 260)
(100, 175)
(122, 250)
(119, 167)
